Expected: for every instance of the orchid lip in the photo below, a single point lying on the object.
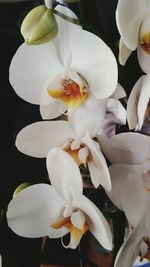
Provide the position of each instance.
(70, 92)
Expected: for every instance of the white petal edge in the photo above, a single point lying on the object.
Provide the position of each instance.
(97, 164)
(64, 173)
(88, 117)
(32, 211)
(38, 138)
(98, 225)
(122, 148)
(129, 16)
(132, 104)
(143, 100)
(52, 110)
(124, 52)
(130, 249)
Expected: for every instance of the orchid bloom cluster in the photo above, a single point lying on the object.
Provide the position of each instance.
(73, 76)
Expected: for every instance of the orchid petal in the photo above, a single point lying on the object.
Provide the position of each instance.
(130, 249)
(64, 173)
(88, 117)
(132, 115)
(133, 198)
(78, 219)
(122, 148)
(124, 52)
(94, 65)
(38, 138)
(52, 110)
(119, 92)
(129, 17)
(97, 164)
(95, 219)
(116, 108)
(109, 126)
(31, 212)
(143, 100)
(32, 68)
(60, 11)
(144, 59)
(83, 154)
(77, 229)
(118, 181)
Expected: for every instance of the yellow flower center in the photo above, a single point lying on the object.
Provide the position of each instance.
(71, 93)
(145, 42)
(76, 233)
(74, 153)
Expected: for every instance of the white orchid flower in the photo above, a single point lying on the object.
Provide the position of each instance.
(138, 106)
(133, 22)
(131, 193)
(45, 210)
(129, 148)
(130, 174)
(38, 138)
(74, 70)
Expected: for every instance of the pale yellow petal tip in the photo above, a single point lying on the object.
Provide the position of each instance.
(20, 188)
(39, 26)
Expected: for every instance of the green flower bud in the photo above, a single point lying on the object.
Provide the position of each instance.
(20, 188)
(39, 26)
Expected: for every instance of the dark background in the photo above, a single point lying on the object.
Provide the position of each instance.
(97, 16)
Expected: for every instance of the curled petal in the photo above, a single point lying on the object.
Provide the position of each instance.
(129, 16)
(64, 173)
(32, 211)
(97, 165)
(95, 219)
(38, 138)
(52, 110)
(132, 105)
(130, 249)
(124, 52)
(143, 101)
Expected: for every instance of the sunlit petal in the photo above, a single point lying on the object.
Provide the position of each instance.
(64, 173)
(97, 165)
(132, 113)
(38, 138)
(31, 211)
